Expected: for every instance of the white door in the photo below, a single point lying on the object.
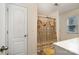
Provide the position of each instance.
(17, 30)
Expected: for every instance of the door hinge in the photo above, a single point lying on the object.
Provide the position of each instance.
(7, 31)
(7, 9)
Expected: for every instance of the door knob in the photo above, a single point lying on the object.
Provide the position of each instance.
(25, 35)
(3, 48)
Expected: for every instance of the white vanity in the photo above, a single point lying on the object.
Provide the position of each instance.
(67, 47)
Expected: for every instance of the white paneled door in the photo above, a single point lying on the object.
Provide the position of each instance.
(17, 30)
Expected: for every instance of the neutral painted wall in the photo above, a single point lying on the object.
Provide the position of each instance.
(63, 24)
(32, 29)
(55, 14)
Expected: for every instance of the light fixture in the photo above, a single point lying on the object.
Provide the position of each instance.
(56, 4)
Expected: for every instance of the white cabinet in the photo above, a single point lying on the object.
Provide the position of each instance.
(62, 51)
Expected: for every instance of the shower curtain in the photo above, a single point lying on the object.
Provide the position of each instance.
(46, 31)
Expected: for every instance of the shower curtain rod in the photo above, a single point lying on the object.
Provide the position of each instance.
(46, 17)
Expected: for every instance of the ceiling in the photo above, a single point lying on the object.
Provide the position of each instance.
(48, 8)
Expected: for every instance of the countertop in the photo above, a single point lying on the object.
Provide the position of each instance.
(71, 45)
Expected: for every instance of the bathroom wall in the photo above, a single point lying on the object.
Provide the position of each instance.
(63, 24)
(32, 29)
(55, 14)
